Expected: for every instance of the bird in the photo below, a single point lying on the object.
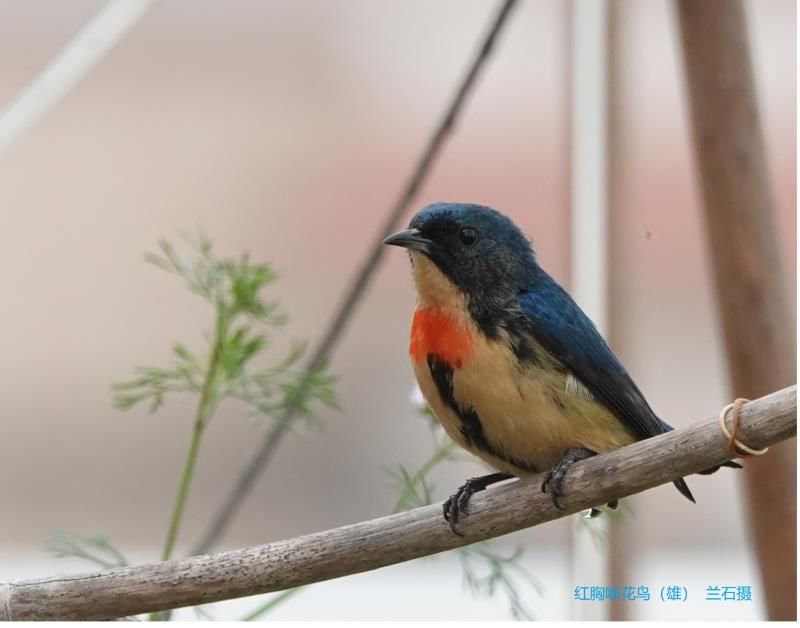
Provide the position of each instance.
(515, 372)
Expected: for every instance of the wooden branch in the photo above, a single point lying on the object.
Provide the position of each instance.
(737, 201)
(748, 275)
(388, 540)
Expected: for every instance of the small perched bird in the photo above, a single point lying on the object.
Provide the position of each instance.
(514, 370)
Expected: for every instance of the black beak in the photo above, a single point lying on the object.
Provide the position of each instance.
(410, 239)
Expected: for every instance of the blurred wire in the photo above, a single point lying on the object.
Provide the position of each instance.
(355, 291)
(87, 48)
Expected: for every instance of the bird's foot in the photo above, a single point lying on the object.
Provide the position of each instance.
(553, 483)
(456, 504)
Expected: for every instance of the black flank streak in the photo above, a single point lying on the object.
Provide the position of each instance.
(492, 320)
(471, 427)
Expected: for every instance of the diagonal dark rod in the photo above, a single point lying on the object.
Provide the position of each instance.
(356, 290)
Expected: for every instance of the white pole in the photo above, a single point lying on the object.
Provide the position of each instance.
(87, 48)
(590, 560)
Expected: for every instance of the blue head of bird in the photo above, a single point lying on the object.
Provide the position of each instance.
(467, 252)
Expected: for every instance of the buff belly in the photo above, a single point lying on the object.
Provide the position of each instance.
(527, 412)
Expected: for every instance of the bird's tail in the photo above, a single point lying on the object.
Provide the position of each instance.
(684, 488)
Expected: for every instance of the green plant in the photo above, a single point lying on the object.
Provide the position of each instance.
(95, 548)
(241, 318)
(225, 369)
(486, 571)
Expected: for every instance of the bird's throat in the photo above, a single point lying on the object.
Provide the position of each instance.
(434, 331)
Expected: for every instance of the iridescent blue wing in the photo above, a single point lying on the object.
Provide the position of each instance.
(562, 328)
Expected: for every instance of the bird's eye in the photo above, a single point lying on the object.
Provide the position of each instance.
(468, 236)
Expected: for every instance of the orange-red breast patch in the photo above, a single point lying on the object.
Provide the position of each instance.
(434, 331)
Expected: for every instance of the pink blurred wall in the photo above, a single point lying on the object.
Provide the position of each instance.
(287, 129)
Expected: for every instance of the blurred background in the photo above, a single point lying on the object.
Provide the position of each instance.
(287, 128)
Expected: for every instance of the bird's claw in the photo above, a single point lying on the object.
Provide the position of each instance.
(553, 483)
(457, 504)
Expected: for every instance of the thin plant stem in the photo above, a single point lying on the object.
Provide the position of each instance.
(270, 604)
(205, 408)
(183, 491)
(441, 453)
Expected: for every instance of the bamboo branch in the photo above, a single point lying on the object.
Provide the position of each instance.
(388, 540)
(746, 263)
